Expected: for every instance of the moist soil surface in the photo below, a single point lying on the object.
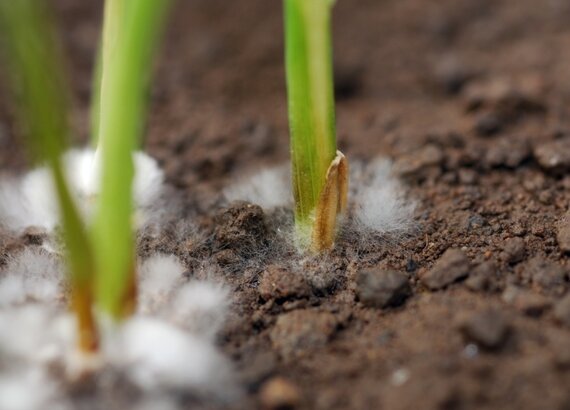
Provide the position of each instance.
(470, 99)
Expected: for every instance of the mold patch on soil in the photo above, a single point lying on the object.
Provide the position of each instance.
(469, 312)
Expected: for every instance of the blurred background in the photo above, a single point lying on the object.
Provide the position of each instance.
(405, 69)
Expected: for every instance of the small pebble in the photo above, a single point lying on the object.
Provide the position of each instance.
(559, 343)
(467, 176)
(549, 277)
(483, 278)
(279, 393)
(302, 329)
(279, 283)
(563, 233)
(488, 329)
(554, 156)
(507, 152)
(451, 75)
(487, 124)
(240, 227)
(529, 303)
(382, 288)
(415, 163)
(452, 266)
(471, 351)
(400, 377)
(562, 311)
(514, 250)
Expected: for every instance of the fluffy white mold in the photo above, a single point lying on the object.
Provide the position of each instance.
(149, 179)
(158, 357)
(31, 200)
(201, 308)
(269, 188)
(36, 334)
(156, 402)
(198, 306)
(30, 389)
(379, 202)
(159, 277)
(169, 344)
(31, 275)
(167, 347)
(28, 201)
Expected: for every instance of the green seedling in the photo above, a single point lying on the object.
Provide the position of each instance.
(100, 258)
(320, 171)
(113, 18)
(130, 34)
(33, 61)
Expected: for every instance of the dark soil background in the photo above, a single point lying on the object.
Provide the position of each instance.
(470, 98)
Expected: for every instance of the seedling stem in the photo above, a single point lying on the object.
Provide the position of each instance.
(34, 61)
(131, 30)
(319, 171)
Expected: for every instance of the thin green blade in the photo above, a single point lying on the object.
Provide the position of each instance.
(34, 62)
(124, 84)
(311, 100)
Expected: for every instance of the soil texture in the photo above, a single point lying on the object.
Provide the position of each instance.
(470, 99)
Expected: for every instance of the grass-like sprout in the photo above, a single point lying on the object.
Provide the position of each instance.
(130, 31)
(37, 76)
(320, 171)
(100, 258)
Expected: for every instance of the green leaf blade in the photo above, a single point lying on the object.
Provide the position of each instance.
(38, 79)
(124, 83)
(310, 99)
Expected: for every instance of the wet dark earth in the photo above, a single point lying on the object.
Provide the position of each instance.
(470, 99)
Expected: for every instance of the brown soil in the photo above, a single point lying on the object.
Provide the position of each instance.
(471, 99)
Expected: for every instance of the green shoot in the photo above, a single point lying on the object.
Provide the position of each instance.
(103, 265)
(37, 76)
(96, 99)
(113, 20)
(130, 33)
(312, 122)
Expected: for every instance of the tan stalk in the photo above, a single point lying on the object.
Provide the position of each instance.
(82, 302)
(332, 203)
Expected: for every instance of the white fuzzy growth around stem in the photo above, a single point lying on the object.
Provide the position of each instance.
(377, 200)
(380, 204)
(159, 356)
(32, 201)
(198, 306)
(31, 275)
(201, 308)
(268, 188)
(29, 201)
(36, 334)
(159, 276)
(166, 348)
(30, 389)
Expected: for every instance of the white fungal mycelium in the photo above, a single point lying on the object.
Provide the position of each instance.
(380, 205)
(33, 274)
(28, 201)
(200, 307)
(158, 356)
(31, 199)
(159, 276)
(167, 347)
(35, 334)
(268, 188)
(377, 200)
(30, 389)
